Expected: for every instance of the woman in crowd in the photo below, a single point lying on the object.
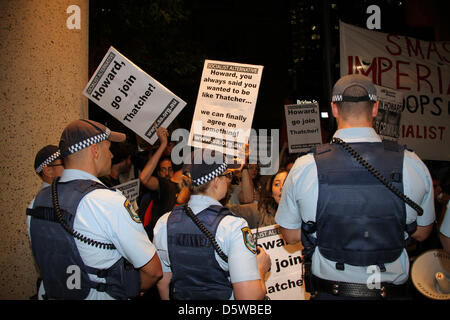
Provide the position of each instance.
(263, 213)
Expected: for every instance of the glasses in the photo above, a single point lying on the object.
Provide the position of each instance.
(228, 175)
(166, 169)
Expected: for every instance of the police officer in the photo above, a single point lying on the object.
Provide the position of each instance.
(444, 230)
(354, 227)
(86, 239)
(207, 252)
(48, 165)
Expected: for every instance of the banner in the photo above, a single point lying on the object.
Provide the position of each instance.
(131, 96)
(387, 121)
(303, 126)
(225, 106)
(284, 281)
(419, 69)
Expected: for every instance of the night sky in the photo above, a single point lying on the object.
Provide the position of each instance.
(170, 39)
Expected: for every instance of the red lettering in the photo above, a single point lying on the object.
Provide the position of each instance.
(439, 80)
(350, 64)
(398, 74)
(399, 49)
(442, 132)
(432, 48)
(433, 132)
(381, 63)
(372, 69)
(424, 78)
(428, 132)
(417, 49)
(418, 136)
(409, 131)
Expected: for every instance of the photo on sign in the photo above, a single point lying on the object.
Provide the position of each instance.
(388, 120)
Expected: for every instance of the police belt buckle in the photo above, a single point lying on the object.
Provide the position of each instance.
(359, 290)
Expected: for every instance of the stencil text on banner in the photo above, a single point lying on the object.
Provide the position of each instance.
(419, 69)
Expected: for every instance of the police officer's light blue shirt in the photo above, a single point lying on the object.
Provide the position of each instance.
(445, 226)
(102, 216)
(242, 264)
(299, 202)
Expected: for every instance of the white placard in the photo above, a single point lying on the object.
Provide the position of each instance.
(284, 281)
(225, 106)
(303, 126)
(131, 96)
(130, 189)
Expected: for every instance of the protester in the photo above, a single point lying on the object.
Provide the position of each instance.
(251, 185)
(102, 251)
(164, 191)
(262, 214)
(350, 224)
(227, 269)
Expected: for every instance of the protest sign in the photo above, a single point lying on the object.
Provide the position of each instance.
(387, 121)
(133, 97)
(303, 126)
(284, 281)
(225, 106)
(419, 69)
(130, 189)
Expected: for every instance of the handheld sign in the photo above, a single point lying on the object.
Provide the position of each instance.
(387, 121)
(131, 96)
(284, 281)
(225, 106)
(303, 126)
(129, 189)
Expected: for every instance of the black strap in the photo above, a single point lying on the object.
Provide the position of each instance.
(359, 290)
(378, 175)
(65, 225)
(203, 229)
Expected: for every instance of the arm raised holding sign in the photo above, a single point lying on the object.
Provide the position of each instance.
(146, 176)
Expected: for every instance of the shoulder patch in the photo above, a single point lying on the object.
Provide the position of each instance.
(248, 239)
(130, 210)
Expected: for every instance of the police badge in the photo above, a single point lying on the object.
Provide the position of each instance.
(131, 211)
(248, 239)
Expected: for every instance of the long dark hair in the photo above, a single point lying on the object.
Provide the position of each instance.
(267, 203)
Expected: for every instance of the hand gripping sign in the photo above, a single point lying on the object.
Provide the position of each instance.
(133, 97)
(284, 281)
